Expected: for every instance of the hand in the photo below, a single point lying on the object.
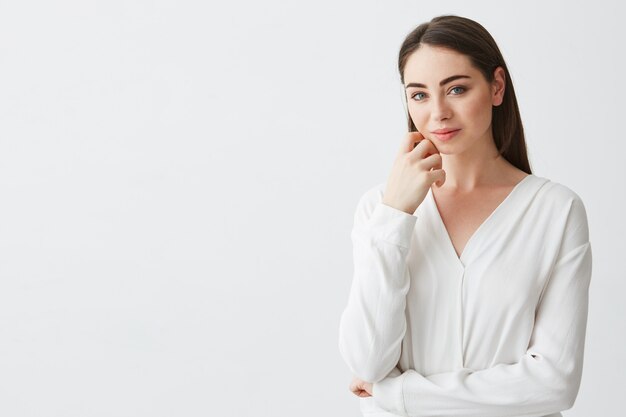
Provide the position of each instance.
(415, 169)
(361, 388)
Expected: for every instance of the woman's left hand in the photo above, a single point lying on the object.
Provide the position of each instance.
(361, 388)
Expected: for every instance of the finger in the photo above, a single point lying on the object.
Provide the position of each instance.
(432, 162)
(424, 148)
(354, 387)
(359, 393)
(410, 140)
(437, 176)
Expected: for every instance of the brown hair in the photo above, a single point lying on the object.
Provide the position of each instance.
(472, 39)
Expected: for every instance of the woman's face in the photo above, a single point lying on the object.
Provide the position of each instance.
(460, 103)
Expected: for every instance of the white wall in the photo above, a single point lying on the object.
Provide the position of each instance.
(178, 179)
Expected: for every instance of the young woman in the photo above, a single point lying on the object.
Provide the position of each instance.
(471, 274)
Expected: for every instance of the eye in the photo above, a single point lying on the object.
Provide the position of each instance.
(454, 88)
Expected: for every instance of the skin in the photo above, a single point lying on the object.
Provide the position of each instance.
(477, 178)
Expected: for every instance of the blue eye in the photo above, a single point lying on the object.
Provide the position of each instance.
(462, 88)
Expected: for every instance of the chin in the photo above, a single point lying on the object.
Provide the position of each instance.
(448, 148)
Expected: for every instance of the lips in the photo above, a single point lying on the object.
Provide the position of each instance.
(447, 130)
(446, 136)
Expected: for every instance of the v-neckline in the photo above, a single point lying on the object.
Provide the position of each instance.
(461, 259)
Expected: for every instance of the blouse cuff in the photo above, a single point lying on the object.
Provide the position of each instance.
(392, 225)
(388, 394)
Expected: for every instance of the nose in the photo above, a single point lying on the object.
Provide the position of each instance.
(440, 110)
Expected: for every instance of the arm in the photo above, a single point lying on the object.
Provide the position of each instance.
(373, 323)
(544, 381)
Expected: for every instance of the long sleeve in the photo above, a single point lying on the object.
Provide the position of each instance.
(373, 323)
(545, 380)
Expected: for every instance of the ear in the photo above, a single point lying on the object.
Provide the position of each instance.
(497, 86)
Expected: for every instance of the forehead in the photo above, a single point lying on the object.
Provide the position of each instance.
(431, 64)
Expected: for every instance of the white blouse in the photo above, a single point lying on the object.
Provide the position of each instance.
(498, 331)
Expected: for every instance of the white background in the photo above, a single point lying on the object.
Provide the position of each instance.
(178, 180)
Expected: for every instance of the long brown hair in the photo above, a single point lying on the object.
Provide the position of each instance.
(472, 39)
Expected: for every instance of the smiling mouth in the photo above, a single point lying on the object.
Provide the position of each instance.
(446, 136)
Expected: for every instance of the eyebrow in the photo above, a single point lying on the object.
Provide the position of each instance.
(442, 83)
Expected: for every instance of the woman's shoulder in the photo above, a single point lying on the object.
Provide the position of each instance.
(565, 207)
(558, 194)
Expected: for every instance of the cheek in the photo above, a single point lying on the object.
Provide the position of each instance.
(479, 110)
(418, 116)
